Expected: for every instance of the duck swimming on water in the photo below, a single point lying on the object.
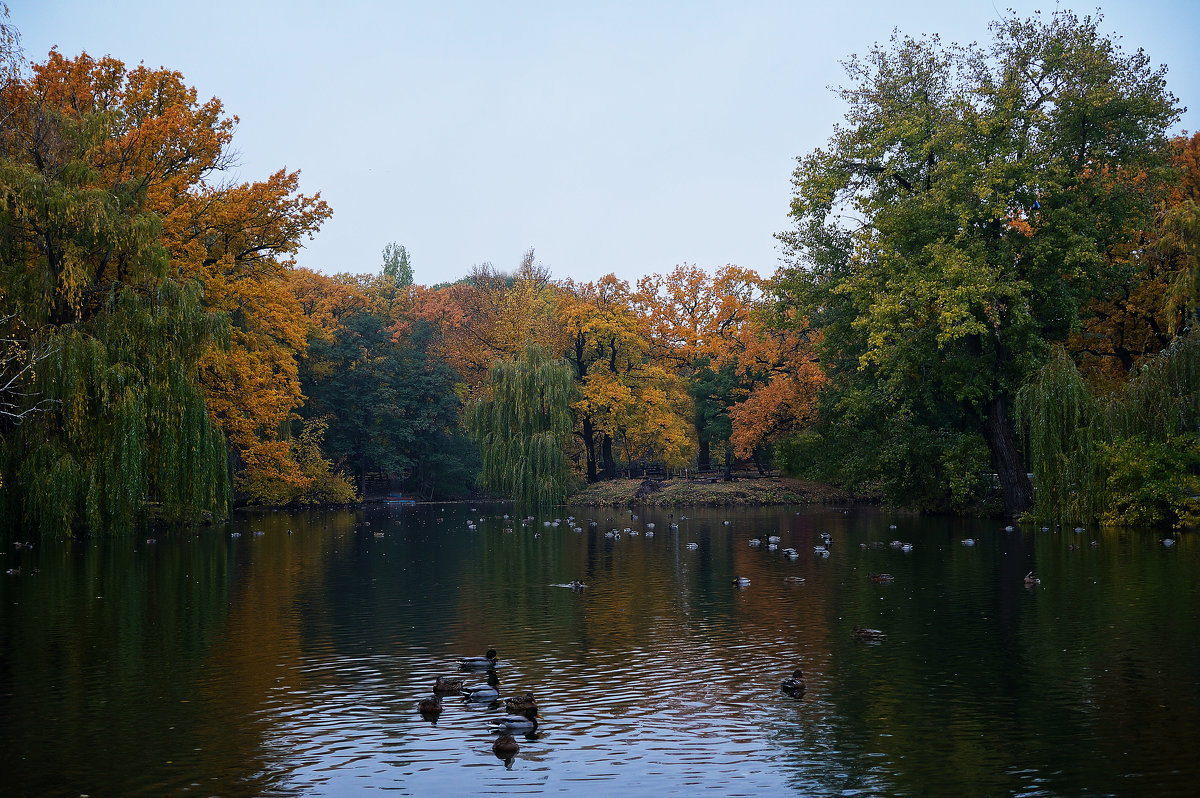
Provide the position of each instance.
(444, 685)
(484, 663)
(526, 722)
(481, 692)
(795, 684)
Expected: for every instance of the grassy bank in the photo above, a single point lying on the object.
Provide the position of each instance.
(716, 493)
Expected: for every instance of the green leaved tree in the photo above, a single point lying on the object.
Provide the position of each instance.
(974, 200)
(523, 425)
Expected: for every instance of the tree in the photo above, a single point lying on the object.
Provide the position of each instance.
(692, 324)
(396, 265)
(974, 201)
(523, 424)
(82, 152)
(623, 396)
(492, 315)
(387, 404)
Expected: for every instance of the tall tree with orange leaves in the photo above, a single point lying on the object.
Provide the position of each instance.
(694, 323)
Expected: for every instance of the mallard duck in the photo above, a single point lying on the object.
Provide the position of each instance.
(481, 692)
(863, 633)
(518, 705)
(444, 685)
(506, 746)
(526, 722)
(484, 663)
(430, 706)
(741, 581)
(795, 684)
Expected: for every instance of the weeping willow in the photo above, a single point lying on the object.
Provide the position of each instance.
(522, 424)
(1066, 425)
(1130, 457)
(124, 425)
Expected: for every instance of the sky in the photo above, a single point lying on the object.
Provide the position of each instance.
(623, 137)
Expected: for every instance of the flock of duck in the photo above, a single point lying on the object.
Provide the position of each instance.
(521, 711)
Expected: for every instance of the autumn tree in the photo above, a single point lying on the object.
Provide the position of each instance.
(777, 362)
(82, 152)
(693, 322)
(967, 211)
(624, 398)
(1154, 295)
(491, 315)
(239, 241)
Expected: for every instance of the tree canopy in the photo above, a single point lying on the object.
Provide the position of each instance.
(974, 200)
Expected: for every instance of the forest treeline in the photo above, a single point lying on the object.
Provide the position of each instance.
(992, 270)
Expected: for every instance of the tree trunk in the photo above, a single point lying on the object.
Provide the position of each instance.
(610, 465)
(703, 457)
(589, 446)
(728, 462)
(1014, 484)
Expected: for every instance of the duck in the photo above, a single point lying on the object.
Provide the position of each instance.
(481, 692)
(1031, 580)
(506, 746)
(575, 584)
(795, 684)
(516, 705)
(486, 662)
(526, 722)
(741, 581)
(444, 685)
(881, 577)
(430, 706)
(863, 633)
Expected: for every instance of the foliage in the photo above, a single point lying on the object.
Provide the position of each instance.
(971, 205)
(85, 146)
(522, 423)
(1129, 457)
(1152, 482)
(1066, 425)
(126, 422)
(314, 482)
(389, 405)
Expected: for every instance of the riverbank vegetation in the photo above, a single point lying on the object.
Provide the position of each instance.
(993, 271)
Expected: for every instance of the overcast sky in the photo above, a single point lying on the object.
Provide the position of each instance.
(622, 137)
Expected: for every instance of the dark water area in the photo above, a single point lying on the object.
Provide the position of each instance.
(289, 660)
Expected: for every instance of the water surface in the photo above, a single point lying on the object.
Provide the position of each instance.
(288, 660)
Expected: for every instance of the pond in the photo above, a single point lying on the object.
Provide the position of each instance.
(288, 659)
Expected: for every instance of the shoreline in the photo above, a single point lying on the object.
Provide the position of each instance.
(713, 492)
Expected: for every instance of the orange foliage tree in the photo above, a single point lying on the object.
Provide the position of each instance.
(693, 324)
(624, 396)
(156, 144)
(1156, 297)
